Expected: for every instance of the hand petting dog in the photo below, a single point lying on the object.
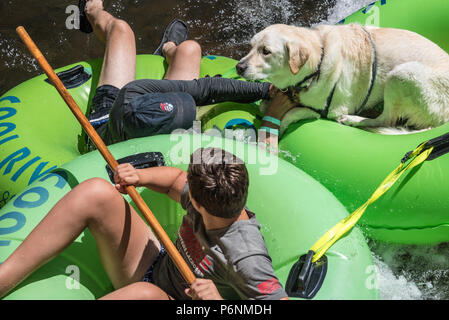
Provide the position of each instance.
(279, 104)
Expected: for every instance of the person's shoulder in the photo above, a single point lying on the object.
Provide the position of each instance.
(242, 239)
(250, 226)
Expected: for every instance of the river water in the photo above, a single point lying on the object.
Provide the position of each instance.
(222, 28)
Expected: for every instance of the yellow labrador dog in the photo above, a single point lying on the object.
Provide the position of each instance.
(339, 71)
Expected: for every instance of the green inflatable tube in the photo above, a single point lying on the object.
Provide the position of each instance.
(428, 18)
(293, 208)
(38, 133)
(352, 162)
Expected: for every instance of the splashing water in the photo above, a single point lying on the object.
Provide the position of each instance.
(344, 8)
(412, 272)
(237, 20)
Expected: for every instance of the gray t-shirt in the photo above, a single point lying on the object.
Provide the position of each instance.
(235, 258)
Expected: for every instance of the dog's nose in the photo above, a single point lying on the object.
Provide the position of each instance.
(241, 67)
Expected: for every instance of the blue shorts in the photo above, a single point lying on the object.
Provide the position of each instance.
(148, 277)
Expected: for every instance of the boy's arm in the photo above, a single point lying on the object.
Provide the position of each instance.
(278, 107)
(168, 180)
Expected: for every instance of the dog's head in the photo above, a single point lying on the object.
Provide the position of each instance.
(278, 53)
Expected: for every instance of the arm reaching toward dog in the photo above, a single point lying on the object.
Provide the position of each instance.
(279, 105)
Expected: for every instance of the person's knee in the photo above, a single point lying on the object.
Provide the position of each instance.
(98, 191)
(190, 48)
(148, 291)
(121, 26)
(138, 291)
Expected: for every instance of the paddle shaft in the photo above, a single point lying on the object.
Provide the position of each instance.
(92, 133)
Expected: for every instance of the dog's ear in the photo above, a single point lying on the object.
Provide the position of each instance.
(298, 56)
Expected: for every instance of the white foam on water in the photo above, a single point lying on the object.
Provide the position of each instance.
(392, 286)
(11, 56)
(412, 272)
(235, 23)
(344, 8)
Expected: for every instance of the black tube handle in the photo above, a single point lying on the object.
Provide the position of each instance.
(73, 77)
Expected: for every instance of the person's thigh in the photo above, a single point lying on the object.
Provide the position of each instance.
(125, 243)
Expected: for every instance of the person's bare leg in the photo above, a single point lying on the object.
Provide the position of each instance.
(138, 291)
(119, 63)
(126, 245)
(184, 60)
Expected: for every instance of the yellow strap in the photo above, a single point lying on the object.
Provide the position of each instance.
(341, 228)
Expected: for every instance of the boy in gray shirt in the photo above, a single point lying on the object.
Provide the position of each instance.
(233, 257)
(219, 238)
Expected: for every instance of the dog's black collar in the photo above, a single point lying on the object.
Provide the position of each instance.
(293, 91)
(373, 73)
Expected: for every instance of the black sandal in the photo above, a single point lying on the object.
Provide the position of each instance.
(176, 31)
(85, 25)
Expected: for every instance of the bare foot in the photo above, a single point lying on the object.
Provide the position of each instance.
(93, 6)
(167, 47)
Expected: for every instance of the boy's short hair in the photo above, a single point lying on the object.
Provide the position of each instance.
(218, 181)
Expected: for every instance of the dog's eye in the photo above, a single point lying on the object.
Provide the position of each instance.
(265, 51)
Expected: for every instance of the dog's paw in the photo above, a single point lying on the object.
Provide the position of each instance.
(350, 120)
(343, 120)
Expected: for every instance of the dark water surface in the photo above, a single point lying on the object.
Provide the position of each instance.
(221, 27)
